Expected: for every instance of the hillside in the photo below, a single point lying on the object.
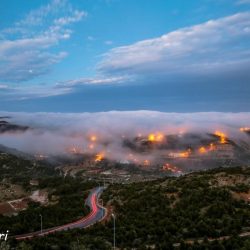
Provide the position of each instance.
(16, 169)
(169, 213)
(9, 127)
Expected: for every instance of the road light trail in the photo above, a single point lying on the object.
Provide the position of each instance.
(97, 213)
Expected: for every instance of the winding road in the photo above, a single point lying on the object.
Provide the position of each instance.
(97, 213)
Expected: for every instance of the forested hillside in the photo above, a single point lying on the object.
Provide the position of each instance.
(205, 210)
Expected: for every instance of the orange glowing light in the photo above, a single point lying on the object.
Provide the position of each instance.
(184, 154)
(146, 163)
(99, 157)
(222, 136)
(202, 150)
(159, 137)
(151, 137)
(93, 138)
(171, 168)
(211, 147)
(245, 129)
(156, 137)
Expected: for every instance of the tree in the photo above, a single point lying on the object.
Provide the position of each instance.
(4, 246)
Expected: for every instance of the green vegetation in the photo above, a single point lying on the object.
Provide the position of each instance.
(149, 215)
(71, 195)
(173, 210)
(160, 213)
(19, 171)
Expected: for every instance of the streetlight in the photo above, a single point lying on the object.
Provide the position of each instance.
(41, 217)
(113, 216)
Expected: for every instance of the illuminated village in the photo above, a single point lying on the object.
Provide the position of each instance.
(155, 154)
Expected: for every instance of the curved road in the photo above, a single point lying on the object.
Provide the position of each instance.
(97, 213)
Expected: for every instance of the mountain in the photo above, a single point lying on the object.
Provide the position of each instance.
(13, 151)
(9, 127)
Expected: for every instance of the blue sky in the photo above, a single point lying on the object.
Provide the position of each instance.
(101, 55)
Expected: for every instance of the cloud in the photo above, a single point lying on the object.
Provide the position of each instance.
(243, 2)
(26, 92)
(90, 38)
(26, 48)
(60, 88)
(77, 16)
(108, 42)
(93, 81)
(54, 133)
(3, 86)
(213, 47)
(37, 16)
(29, 64)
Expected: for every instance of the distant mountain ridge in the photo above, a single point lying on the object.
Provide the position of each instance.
(9, 127)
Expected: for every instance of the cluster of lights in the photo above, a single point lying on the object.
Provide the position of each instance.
(185, 154)
(146, 163)
(203, 149)
(222, 136)
(171, 168)
(245, 129)
(158, 137)
(99, 157)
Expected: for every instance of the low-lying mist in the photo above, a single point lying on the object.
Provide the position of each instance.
(104, 133)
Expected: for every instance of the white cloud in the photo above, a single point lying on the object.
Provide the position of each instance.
(94, 81)
(25, 92)
(214, 46)
(3, 86)
(60, 88)
(36, 18)
(108, 42)
(29, 54)
(77, 16)
(38, 92)
(243, 2)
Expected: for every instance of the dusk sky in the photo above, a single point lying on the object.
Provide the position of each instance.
(102, 55)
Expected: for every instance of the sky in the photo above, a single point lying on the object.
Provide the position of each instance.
(102, 55)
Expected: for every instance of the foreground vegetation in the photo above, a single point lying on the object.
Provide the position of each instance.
(67, 206)
(17, 170)
(158, 214)
(149, 215)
